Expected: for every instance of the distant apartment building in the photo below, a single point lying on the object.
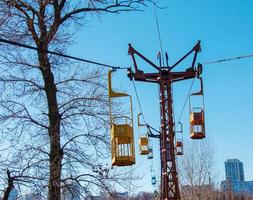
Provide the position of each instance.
(235, 180)
(234, 170)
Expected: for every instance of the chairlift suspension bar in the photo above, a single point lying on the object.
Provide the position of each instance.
(164, 77)
(150, 134)
(196, 49)
(153, 135)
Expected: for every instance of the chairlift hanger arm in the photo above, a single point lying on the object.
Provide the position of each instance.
(200, 92)
(150, 134)
(153, 135)
(196, 49)
(181, 128)
(132, 51)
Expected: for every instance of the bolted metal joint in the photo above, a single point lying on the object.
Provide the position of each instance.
(130, 73)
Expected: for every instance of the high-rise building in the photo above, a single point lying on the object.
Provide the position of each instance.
(235, 180)
(234, 170)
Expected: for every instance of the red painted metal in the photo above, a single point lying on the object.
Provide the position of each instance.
(164, 78)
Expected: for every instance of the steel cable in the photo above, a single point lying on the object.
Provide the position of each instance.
(61, 54)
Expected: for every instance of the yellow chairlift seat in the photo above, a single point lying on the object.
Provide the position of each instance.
(122, 137)
(197, 118)
(143, 139)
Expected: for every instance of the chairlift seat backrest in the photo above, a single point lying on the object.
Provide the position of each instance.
(197, 118)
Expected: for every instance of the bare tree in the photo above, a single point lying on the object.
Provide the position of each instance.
(10, 185)
(55, 110)
(196, 169)
(143, 196)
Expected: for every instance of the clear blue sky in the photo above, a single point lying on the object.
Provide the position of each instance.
(225, 28)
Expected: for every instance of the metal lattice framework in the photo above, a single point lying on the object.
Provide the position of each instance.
(165, 78)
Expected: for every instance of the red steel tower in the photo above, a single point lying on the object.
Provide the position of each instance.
(165, 77)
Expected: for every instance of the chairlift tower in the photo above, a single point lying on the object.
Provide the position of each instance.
(165, 77)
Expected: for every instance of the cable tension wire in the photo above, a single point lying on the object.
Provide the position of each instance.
(60, 54)
(138, 100)
(228, 59)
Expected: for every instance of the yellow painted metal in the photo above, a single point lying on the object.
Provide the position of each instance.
(122, 136)
(113, 94)
(122, 145)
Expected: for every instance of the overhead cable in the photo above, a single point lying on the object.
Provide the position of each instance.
(159, 34)
(228, 59)
(187, 97)
(60, 54)
(139, 102)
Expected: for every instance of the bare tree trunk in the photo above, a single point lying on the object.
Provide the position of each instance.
(9, 187)
(55, 153)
